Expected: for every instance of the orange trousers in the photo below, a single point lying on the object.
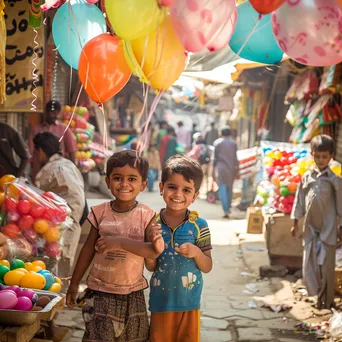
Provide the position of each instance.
(175, 326)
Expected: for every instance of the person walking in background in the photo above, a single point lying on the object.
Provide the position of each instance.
(212, 135)
(155, 166)
(11, 141)
(319, 201)
(168, 146)
(183, 136)
(51, 124)
(226, 167)
(194, 130)
(163, 126)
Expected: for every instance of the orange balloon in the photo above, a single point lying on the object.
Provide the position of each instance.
(6, 179)
(161, 55)
(339, 2)
(103, 59)
(266, 6)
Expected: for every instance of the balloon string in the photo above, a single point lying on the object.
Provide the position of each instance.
(72, 115)
(34, 72)
(141, 114)
(105, 133)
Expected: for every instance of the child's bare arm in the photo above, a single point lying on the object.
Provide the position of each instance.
(85, 258)
(151, 264)
(202, 259)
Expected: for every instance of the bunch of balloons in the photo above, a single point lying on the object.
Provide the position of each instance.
(34, 221)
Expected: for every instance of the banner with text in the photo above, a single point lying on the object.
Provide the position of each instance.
(21, 50)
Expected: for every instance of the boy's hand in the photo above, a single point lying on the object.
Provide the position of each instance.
(154, 235)
(106, 244)
(71, 295)
(188, 250)
(295, 231)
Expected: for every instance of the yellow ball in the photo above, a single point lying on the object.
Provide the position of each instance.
(35, 269)
(52, 235)
(33, 280)
(39, 263)
(23, 270)
(13, 277)
(5, 263)
(55, 287)
(58, 281)
(28, 266)
(41, 226)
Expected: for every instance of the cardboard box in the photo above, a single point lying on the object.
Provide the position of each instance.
(255, 220)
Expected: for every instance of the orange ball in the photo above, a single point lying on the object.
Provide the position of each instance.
(2, 197)
(55, 287)
(6, 179)
(41, 226)
(292, 187)
(39, 263)
(35, 269)
(11, 230)
(52, 235)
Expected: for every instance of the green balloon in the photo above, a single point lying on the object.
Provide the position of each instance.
(3, 270)
(17, 263)
(284, 191)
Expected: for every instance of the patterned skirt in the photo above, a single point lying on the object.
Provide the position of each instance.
(115, 318)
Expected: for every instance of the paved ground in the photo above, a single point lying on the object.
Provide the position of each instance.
(232, 298)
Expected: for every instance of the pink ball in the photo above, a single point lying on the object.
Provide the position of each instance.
(92, 2)
(53, 250)
(29, 294)
(14, 288)
(23, 304)
(8, 300)
(309, 31)
(13, 217)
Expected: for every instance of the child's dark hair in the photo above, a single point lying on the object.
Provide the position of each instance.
(189, 168)
(128, 157)
(323, 143)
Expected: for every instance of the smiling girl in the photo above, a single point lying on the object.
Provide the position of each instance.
(123, 233)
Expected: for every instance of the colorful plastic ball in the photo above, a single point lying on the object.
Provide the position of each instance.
(3, 271)
(37, 212)
(58, 281)
(10, 204)
(49, 280)
(36, 269)
(53, 250)
(13, 277)
(23, 304)
(8, 300)
(56, 287)
(292, 187)
(24, 207)
(5, 263)
(17, 263)
(28, 266)
(26, 222)
(33, 280)
(15, 288)
(41, 226)
(284, 191)
(13, 217)
(52, 235)
(39, 263)
(11, 230)
(30, 235)
(29, 294)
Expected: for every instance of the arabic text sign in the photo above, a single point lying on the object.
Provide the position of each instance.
(20, 52)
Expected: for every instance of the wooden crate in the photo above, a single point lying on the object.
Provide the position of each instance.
(283, 249)
(24, 333)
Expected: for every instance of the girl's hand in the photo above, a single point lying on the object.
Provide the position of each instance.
(155, 236)
(188, 250)
(106, 244)
(71, 295)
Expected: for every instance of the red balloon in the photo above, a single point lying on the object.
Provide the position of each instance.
(26, 222)
(10, 204)
(30, 235)
(266, 6)
(11, 230)
(24, 207)
(103, 61)
(37, 212)
(53, 250)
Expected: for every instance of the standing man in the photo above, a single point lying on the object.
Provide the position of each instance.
(212, 135)
(183, 136)
(226, 168)
(163, 126)
(10, 142)
(51, 124)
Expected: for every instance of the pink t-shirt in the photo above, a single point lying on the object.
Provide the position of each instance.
(119, 272)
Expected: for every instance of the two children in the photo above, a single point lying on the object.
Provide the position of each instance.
(319, 201)
(123, 234)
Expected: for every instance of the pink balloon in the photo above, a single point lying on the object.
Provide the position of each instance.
(202, 24)
(92, 2)
(166, 3)
(8, 300)
(310, 31)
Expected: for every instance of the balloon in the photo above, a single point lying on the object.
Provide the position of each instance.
(70, 37)
(266, 6)
(339, 2)
(312, 36)
(161, 55)
(131, 19)
(104, 60)
(198, 23)
(166, 3)
(92, 1)
(8, 300)
(260, 46)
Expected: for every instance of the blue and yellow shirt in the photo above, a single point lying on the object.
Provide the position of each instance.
(176, 284)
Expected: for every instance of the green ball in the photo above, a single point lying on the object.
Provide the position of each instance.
(3, 270)
(284, 191)
(17, 263)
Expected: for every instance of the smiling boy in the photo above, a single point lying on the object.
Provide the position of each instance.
(176, 283)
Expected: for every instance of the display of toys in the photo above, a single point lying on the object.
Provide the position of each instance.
(99, 153)
(34, 221)
(21, 299)
(29, 275)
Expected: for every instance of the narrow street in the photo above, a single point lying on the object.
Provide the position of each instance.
(232, 297)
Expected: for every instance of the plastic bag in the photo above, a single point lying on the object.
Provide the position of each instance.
(34, 222)
(335, 324)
